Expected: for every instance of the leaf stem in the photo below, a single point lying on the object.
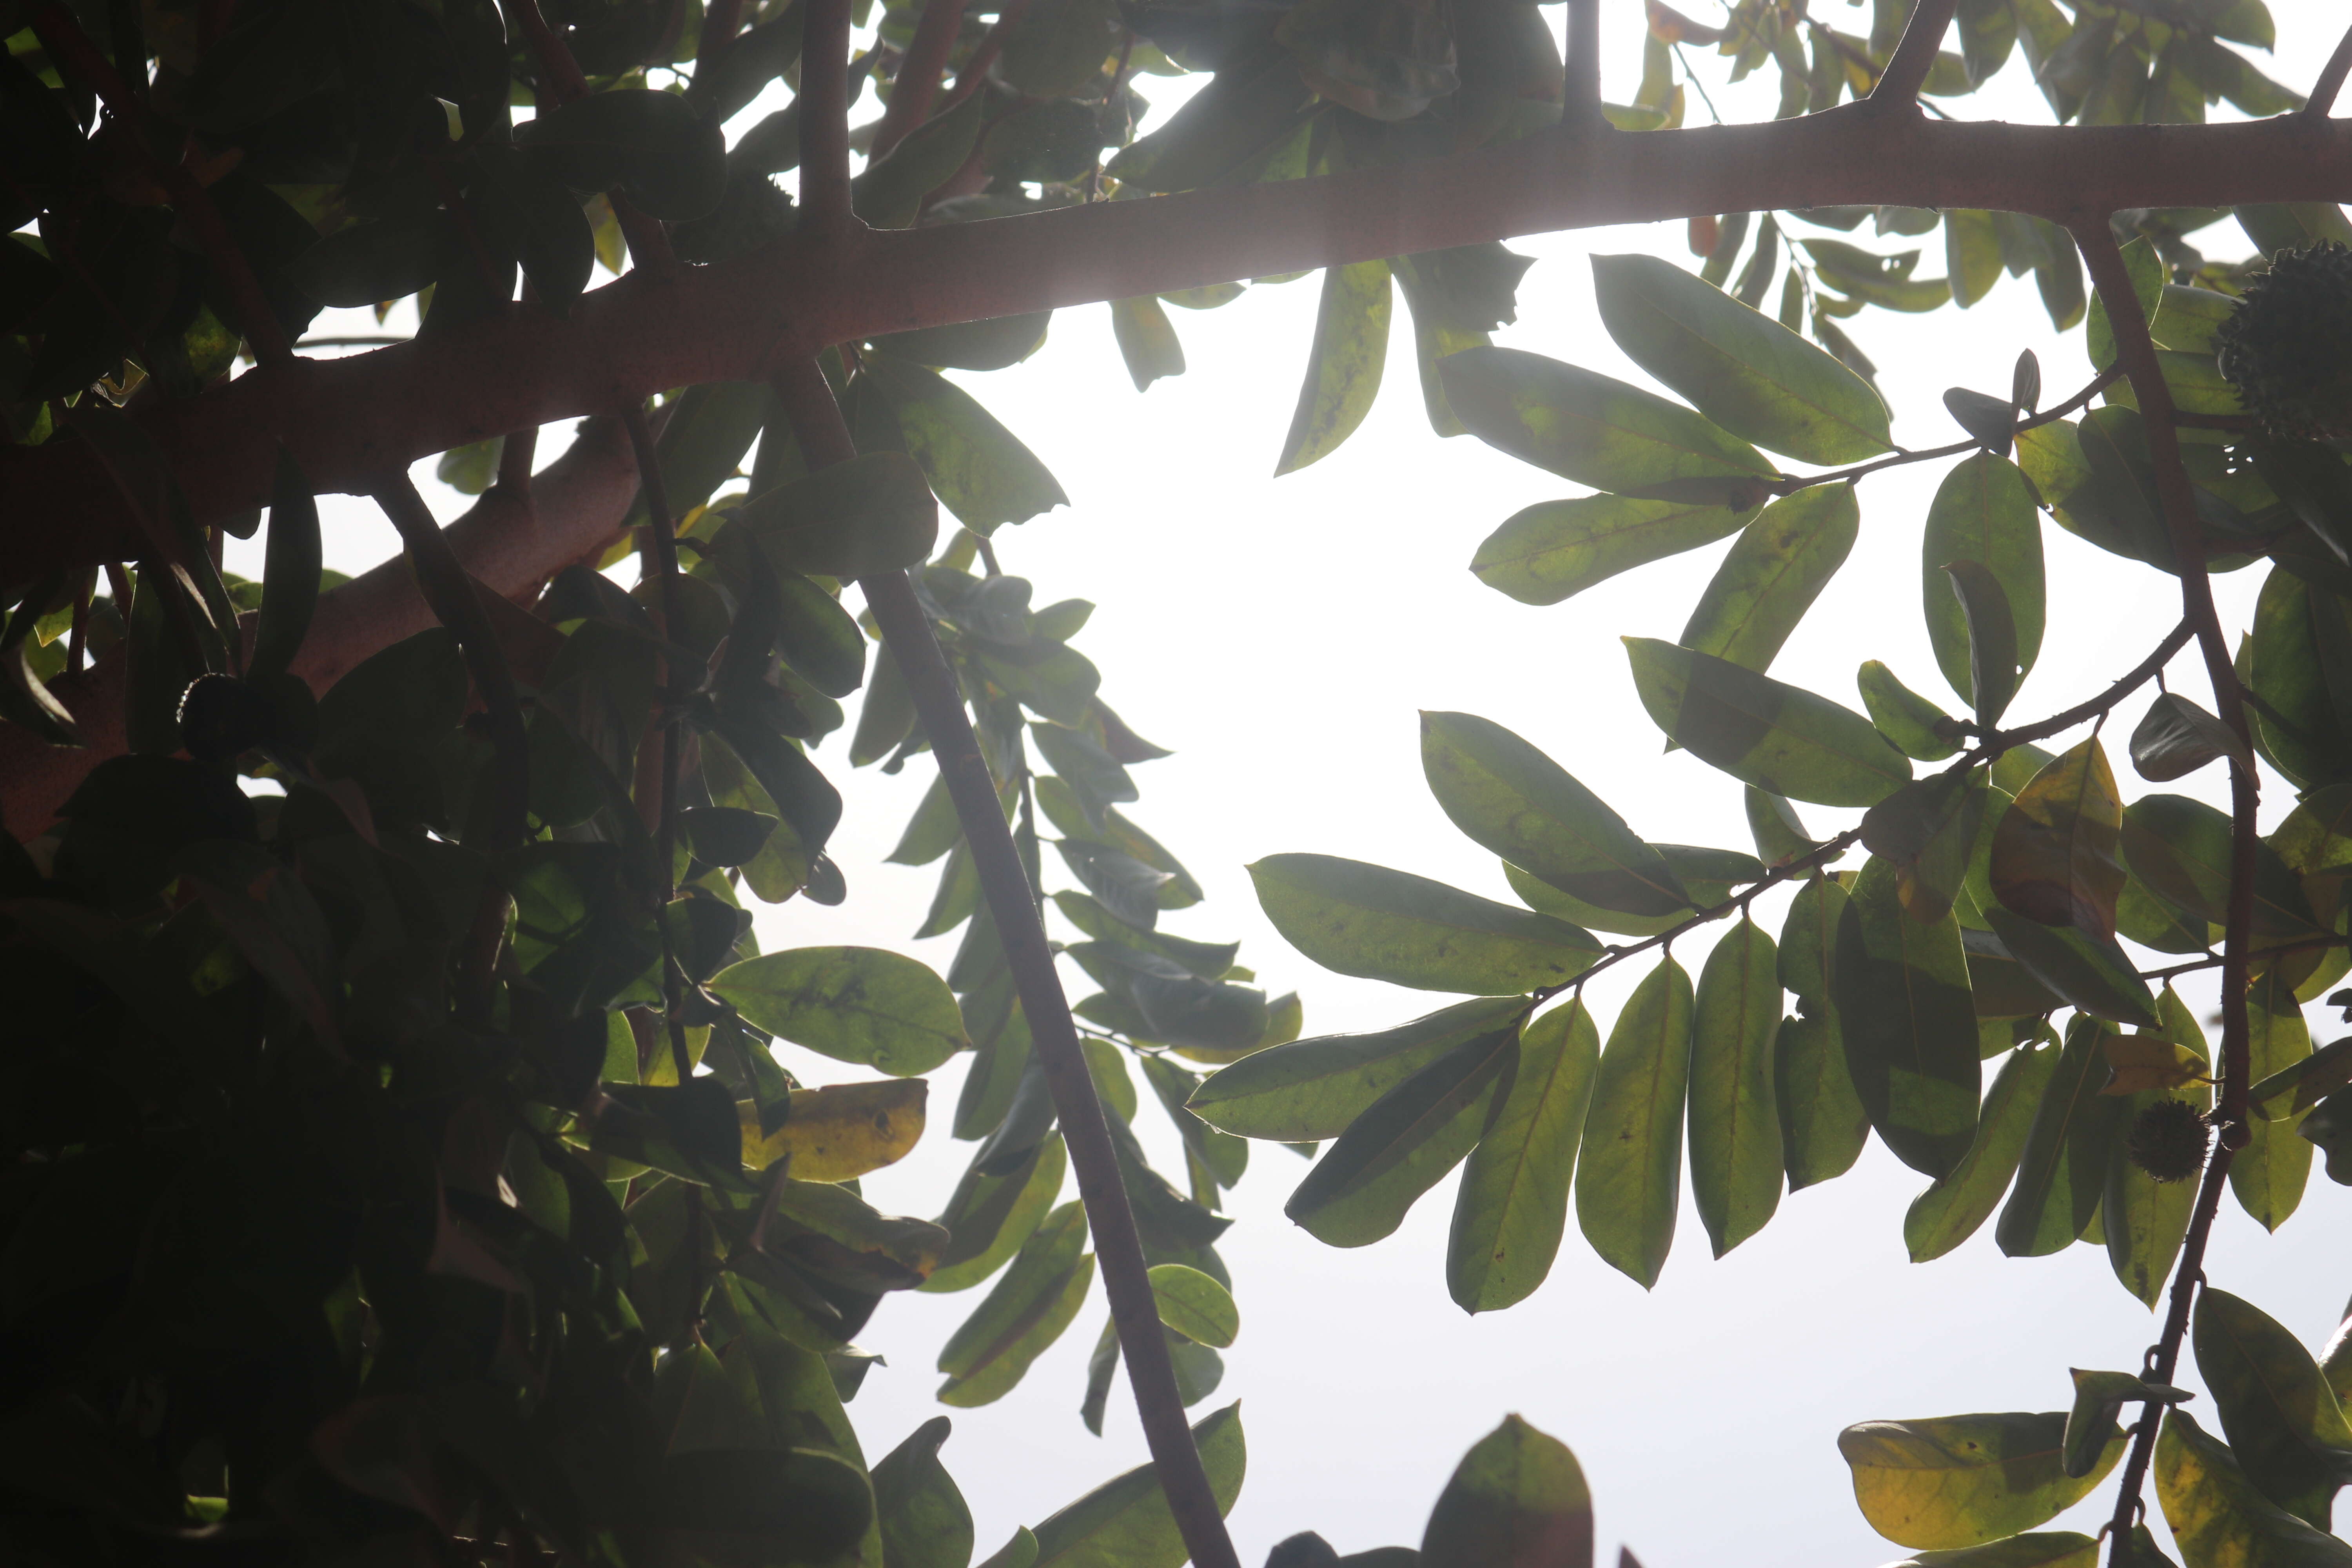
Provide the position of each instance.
(2215, 961)
(824, 116)
(938, 703)
(1581, 105)
(2331, 79)
(2135, 352)
(970, 79)
(1789, 484)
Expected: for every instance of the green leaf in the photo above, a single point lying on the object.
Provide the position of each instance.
(1146, 340)
(999, 343)
(2284, 1421)
(1557, 549)
(2146, 1220)
(1595, 430)
(1992, 639)
(2055, 850)
(1779, 738)
(1735, 1161)
(888, 193)
(2176, 737)
(2179, 849)
(1513, 800)
(1902, 715)
(1629, 1171)
(1927, 831)
(1311, 1089)
(1512, 1207)
(1772, 574)
(704, 442)
(1517, 1499)
(1125, 1522)
(1746, 372)
(655, 146)
(2188, 319)
(2099, 1398)
(1022, 1314)
(1707, 875)
(989, 1216)
(2217, 1514)
(2063, 1171)
(2091, 975)
(1823, 1124)
(924, 1521)
(1195, 1305)
(1772, 823)
(289, 576)
(854, 1004)
(1964, 1480)
(1952, 1210)
(2268, 1174)
(1343, 368)
(2040, 1549)
(1057, 48)
(1389, 925)
(1902, 994)
(1401, 1145)
(1883, 280)
(872, 513)
(978, 468)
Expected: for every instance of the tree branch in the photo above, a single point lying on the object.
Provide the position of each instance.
(1582, 107)
(824, 121)
(658, 527)
(363, 414)
(917, 81)
(983, 55)
(2331, 79)
(1790, 484)
(649, 242)
(2135, 352)
(938, 701)
(1898, 85)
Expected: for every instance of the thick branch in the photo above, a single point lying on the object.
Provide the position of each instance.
(918, 82)
(1898, 86)
(366, 413)
(1582, 104)
(824, 120)
(938, 701)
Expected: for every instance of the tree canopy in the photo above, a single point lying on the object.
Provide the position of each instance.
(407, 1159)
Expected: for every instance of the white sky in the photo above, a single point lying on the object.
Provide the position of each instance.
(1280, 635)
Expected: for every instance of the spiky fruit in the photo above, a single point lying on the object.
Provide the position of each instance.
(2287, 347)
(2167, 1141)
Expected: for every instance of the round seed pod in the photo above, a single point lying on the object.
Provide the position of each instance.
(221, 717)
(2287, 347)
(2167, 1141)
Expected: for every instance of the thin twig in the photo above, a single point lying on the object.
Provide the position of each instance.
(938, 701)
(361, 341)
(515, 459)
(1987, 749)
(825, 114)
(2331, 79)
(2135, 352)
(1898, 85)
(1789, 484)
(917, 81)
(2215, 961)
(71, 48)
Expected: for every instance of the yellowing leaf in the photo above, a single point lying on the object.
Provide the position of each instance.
(2143, 1062)
(841, 1131)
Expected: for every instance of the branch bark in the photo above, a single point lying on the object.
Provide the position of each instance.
(2331, 79)
(2135, 352)
(363, 415)
(1914, 55)
(824, 130)
(1581, 105)
(938, 701)
(918, 82)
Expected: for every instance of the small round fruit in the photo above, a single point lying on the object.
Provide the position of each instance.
(2167, 1141)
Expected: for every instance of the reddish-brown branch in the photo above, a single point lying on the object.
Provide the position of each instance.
(938, 701)
(1581, 105)
(363, 414)
(983, 55)
(515, 459)
(71, 48)
(1898, 86)
(824, 120)
(2331, 79)
(2135, 352)
(917, 81)
(721, 23)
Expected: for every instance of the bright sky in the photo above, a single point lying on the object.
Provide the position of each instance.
(1280, 637)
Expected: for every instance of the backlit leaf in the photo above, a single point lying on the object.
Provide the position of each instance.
(1390, 925)
(1950, 1211)
(1772, 574)
(1517, 1499)
(2063, 1171)
(1343, 368)
(1594, 430)
(2218, 1516)
(2055, 851)
(1901, 994)
(1964, 1480)
(1734, 1124)
(1557, 549)
(856, 1004)
(1629, 1170)
(1779, 738)
(1512, 1207)
(1311, 1089)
